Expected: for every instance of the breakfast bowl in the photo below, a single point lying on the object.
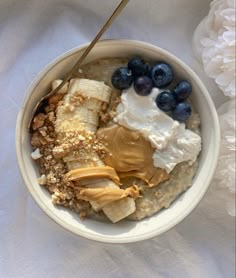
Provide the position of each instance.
(124, 231)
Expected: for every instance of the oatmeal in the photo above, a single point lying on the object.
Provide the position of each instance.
(114, 143)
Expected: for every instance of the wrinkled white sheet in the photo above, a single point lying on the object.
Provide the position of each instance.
(34, 32)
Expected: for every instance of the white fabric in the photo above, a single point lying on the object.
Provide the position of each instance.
(32, 33)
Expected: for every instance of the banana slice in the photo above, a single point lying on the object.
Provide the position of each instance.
(79, 163)
(69, 119)
(120, 209)
(93, 104)
(90, 89)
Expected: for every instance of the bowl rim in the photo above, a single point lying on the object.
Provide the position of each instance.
(55, 218)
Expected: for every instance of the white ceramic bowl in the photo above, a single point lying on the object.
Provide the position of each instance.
(125, 231)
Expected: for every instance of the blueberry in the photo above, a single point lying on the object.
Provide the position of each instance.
(138, 66)
(122, 78)
(183, 90)
(166, 101)
(182, 112)
(143, 85)
(161, 74)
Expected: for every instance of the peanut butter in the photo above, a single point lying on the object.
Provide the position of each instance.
(104, 196)
(130, 154)
(92, 173)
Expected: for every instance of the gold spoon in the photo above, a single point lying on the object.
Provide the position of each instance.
(75, 68)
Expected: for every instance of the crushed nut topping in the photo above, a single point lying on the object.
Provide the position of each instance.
(51, 167)
(38, 121)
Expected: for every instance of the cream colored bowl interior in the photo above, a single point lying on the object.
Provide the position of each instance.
(125, 231)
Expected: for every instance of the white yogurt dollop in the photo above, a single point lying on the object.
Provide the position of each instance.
(173, 143)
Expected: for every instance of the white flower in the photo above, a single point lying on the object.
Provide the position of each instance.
(215, 41)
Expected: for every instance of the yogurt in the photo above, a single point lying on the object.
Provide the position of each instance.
(173, 143)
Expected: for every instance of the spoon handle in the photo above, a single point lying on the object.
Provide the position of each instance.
(70, 74)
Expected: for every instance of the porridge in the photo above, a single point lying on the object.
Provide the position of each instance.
(117, 142)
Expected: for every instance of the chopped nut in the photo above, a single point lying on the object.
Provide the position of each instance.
(51, 116)
(52, 107)
(58, 152)
(51, 177)
(42, 141)
(49, 139)
(54, 99)
(43, 131)
(49, 157)
(38, 121)
(35, 140)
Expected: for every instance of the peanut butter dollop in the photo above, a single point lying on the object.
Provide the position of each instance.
(130, 154)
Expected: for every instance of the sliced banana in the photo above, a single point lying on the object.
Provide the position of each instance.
(79, 112)
(90, 89)
(120, 209)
